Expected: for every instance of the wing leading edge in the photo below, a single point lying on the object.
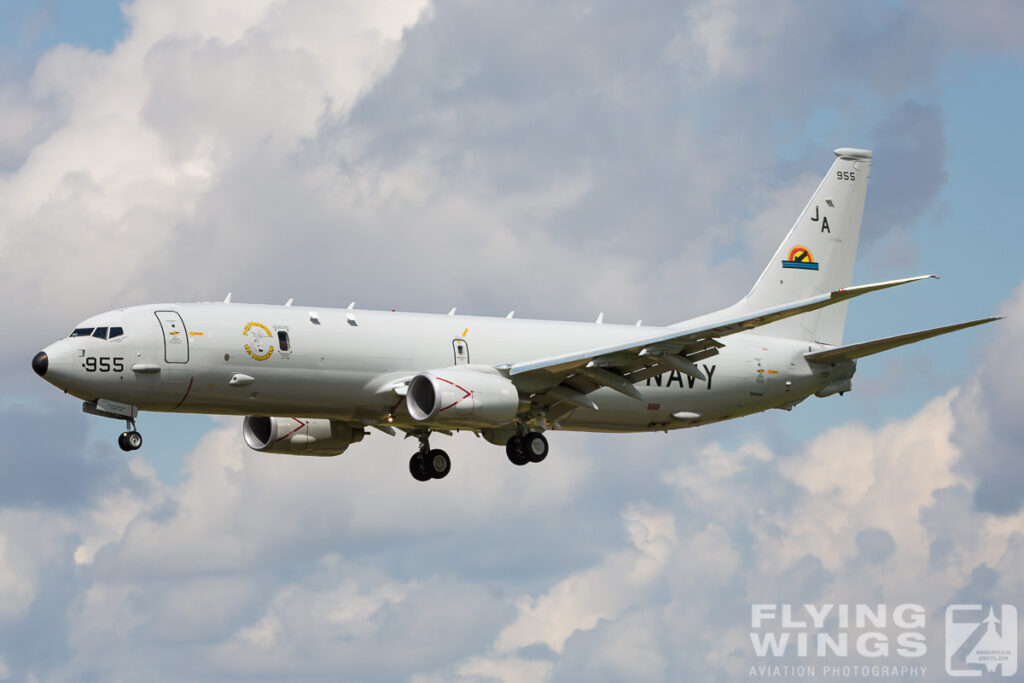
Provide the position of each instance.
(661, 344)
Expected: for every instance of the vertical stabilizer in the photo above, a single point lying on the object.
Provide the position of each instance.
(818, 253)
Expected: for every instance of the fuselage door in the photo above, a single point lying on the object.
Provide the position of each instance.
(175, 336)
(461, 348)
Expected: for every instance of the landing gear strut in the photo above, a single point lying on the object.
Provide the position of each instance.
(130, 440)
(530, 447)
(429, 463)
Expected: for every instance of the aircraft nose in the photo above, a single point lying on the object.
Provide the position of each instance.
(40, 362)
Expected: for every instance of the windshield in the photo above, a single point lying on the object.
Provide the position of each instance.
(98, 332)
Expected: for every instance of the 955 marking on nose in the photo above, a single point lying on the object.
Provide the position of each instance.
(104, 364)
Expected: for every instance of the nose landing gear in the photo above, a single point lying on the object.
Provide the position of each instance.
(130, 440)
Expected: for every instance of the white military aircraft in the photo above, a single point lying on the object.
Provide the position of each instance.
(507, 379)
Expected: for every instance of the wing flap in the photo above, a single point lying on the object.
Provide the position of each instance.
(868, 348)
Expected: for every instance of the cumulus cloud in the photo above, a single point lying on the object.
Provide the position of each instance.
(579, 602)
(211, 141)
(908, 174)
(148, 131)
(992, 434)
(576, 158)
(269, 569)
(851, 517)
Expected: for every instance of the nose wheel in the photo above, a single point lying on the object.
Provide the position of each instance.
(130, 440)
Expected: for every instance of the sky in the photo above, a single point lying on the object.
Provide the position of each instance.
(560, 160)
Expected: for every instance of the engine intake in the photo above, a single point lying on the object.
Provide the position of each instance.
(299, 435)
(462, 398)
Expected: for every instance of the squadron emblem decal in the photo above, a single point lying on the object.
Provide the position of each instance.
(800, 257)
(259, 338)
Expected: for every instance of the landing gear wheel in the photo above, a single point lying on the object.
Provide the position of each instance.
(134, 440)
(515, 454)
(417, 468)
(534, 446)
(130, 441)
(437, 463)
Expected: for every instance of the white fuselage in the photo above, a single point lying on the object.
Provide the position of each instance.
(342, 364)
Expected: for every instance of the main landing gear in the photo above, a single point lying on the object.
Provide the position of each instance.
(429, 463)
(432, 463)
(529, 447)
(130, 440)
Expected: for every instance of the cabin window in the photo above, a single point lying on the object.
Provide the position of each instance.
(100, 333)
(283, 342)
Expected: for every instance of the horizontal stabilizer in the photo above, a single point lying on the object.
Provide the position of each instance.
(853, 351)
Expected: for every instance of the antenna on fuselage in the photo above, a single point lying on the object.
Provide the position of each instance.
(600, 318)
(227, 299)
(289, 302)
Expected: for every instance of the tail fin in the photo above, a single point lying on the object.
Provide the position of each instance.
(818, 253)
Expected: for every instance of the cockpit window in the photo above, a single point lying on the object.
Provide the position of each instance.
(98, 332)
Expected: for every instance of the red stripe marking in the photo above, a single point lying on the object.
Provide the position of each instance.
(301, 425)
(187, 391)
(466, 395)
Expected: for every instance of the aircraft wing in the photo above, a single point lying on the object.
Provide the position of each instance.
(853, 351)
(565, 379)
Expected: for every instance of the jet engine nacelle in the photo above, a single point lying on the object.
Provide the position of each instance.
(462, 398)
(299, 435)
